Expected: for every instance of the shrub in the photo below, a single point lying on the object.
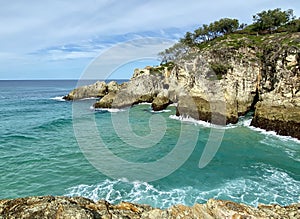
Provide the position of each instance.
(220, 69)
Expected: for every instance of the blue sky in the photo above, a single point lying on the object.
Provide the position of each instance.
(54, 39)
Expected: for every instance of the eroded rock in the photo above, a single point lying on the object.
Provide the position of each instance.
(284, 120)
(98, 89)
(160, 103)
(79, 207)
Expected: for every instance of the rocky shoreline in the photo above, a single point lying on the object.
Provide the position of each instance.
(219, 84)
(79, 207)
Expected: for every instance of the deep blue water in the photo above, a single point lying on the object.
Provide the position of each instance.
(46, 145)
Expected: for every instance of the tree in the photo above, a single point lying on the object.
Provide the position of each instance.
(226, 25)
(272, 19)
(188, 39)
(215, 29)
(173, 53)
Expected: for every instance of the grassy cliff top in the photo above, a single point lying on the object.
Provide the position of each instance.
(237, 40)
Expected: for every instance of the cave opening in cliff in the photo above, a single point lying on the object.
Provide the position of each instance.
(254, 102)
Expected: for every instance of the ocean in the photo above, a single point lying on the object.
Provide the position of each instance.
(43, 151)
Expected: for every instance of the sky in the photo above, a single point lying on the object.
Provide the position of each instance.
(56, 39)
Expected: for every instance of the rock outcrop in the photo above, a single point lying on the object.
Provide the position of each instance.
(106, 101)
(284, 120)
(143, 88)
(224, 79)
(278, 108)
(246, 73)
(79, 207)
(98, 89)
(160, 103)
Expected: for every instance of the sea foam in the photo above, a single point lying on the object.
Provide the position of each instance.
(199, 122)
(270, 133)
(59, 98)
(111, 110)
(272, 184)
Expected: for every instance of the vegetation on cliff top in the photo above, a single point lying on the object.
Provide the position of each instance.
(272, 26)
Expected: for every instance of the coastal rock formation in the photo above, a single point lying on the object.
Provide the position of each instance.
(98, 89)
(106, 101)
(113, 86)
(279, 90)
(79, 207)
(225, 79)
(284, 120)
(143, 88)
(160, 103)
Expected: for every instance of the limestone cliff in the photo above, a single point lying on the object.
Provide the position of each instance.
(79, 207)
(223, 79)
(248, 69)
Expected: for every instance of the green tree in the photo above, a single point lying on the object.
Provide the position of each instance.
(188, 39)
(272, 19)
(215, 29)
(226, 25)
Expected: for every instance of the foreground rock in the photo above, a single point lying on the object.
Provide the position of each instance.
(79, 207)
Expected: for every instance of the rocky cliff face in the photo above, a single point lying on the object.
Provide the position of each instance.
(222, 80)
(248, 70)
(278, 108)
(79, 207)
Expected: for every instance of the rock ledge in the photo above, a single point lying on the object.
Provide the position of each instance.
(79, 207)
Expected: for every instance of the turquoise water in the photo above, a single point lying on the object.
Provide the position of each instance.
(40, 154)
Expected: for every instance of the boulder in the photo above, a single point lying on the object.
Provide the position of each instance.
(160, 103)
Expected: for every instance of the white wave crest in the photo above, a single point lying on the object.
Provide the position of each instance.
(161, 111)
(174, 104)
(89, 98)
(270, 133)
(271, 186)
(116, 191)
(200, 122)
(111, 110)
(60, 98)
(144, 103)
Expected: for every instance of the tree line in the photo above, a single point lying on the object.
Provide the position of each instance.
(264, 22)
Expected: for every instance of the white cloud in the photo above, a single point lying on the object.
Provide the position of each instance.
(41, 28)
(37, 24)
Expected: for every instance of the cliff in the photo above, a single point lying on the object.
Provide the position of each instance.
(222, 79)
(79, 207)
